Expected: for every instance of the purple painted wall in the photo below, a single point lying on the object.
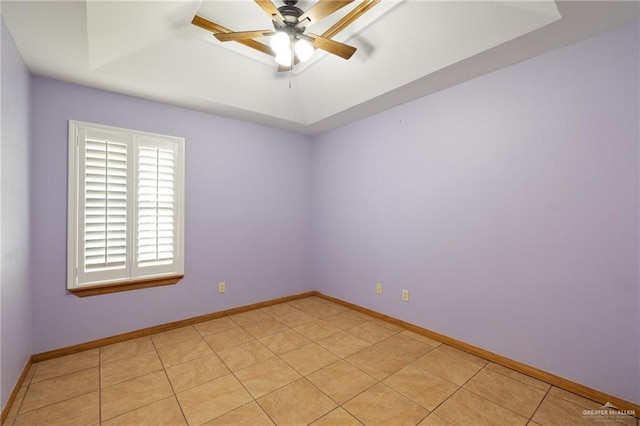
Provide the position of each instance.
(506, 205)
(247, 215)
(15, 291)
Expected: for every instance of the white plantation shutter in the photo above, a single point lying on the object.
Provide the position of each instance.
(105, 212)
(157, 205)
(103, 205)
(125, 205)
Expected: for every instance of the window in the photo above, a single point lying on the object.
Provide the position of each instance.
(126, 209)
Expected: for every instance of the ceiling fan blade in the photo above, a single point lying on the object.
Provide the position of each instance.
(347, 19)
(242, 35)
(216, 29)
(270, 8)
(340, 49)
(322, 9)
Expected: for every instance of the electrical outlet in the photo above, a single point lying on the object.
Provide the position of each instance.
(405, 295)
(378, 288)
(222, 287)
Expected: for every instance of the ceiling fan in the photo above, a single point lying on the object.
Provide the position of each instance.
(289, 44)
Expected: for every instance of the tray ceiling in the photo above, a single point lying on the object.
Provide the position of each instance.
(406, 49)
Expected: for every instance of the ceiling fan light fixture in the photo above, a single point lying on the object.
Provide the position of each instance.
(280, 42)
(304, 50)
(284, 58)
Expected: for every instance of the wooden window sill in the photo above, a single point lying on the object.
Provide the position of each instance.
(126, 286)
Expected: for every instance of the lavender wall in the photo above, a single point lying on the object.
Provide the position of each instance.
(247, 215)
(507, 206)
(15, 292)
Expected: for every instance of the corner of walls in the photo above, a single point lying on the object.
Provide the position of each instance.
(15, 237)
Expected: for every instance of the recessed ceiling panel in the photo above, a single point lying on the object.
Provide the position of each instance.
(150, 49)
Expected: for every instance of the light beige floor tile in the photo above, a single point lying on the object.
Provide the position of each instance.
(371, 332)
(183, 352)
(212, 399)
(163, 412)
(465, 408)
(588, 404)
(316, 330)
(309, 358)
(335, 305)
(305, 303)
(381, 405)
(322, 310)
(245, 355)
(129, 368)
(376, 362)
(628, 420)
(298, 403)
(575, 399)
(338, 417)
(248, 415)
(388, 325)
(126, 349)
(557, 411)
(341, 381)
(196, 372)
(343, 344)
(265, 328)
(622, 419)
(66, 364)
(174, 337)
(564, 408)
(249, 316)
(404, 347)
(267, 376)
(449, 364)
(227, 339)
(419, 337)
(60, 388)
(284, 341)
(215, 326)
(127, 396)
(278, 310)
(522, 378)
(13, 411)
(345, 320)
(81, 410)
(434, 420)
(462, 354)
(295, 319)
(420, 386)
(509, 393)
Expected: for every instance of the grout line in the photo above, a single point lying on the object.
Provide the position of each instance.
(164, 368)
(539, 404)
(491, 401)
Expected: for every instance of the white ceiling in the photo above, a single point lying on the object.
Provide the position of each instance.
(406, 49)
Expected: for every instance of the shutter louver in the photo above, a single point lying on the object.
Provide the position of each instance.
(156, 207)
(105, 206)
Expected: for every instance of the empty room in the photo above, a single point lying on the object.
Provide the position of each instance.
(320, 212)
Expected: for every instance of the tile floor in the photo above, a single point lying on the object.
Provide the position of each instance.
(304, 362)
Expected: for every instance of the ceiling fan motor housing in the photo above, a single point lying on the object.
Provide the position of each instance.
(290, 13)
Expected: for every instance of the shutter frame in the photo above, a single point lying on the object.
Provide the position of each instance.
(125, 181)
